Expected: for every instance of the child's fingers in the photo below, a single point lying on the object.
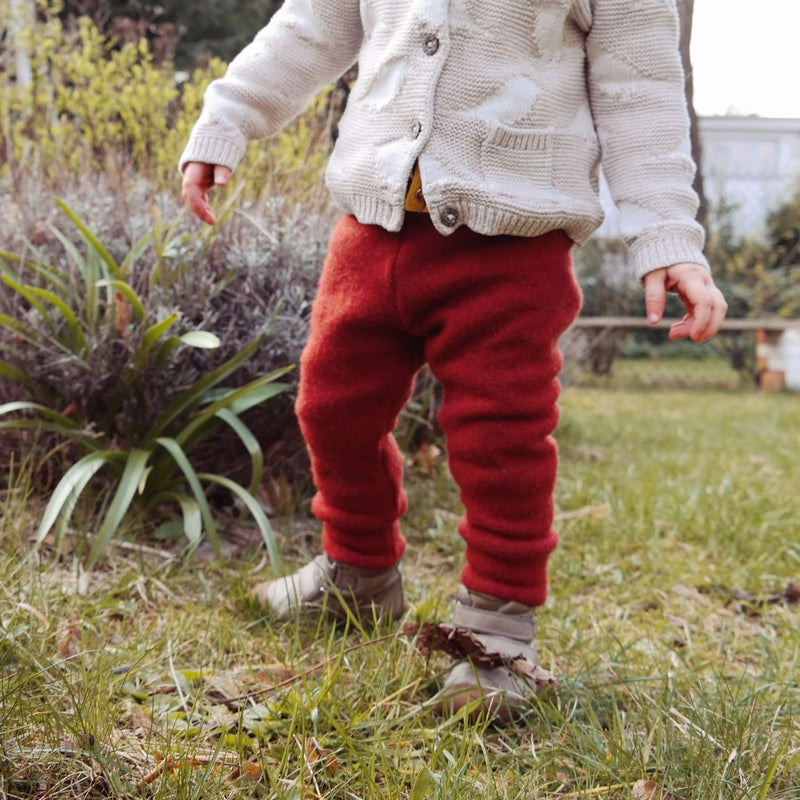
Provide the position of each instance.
(682, 329)
(705, 311)
(197, 201)
(710, 323)
(655, 294)
(198, 178)
(705, 305)
(221, 175)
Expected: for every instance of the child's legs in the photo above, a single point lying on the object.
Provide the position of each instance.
(355, 376)
(495, 352)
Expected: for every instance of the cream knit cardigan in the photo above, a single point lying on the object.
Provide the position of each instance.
(507, 106)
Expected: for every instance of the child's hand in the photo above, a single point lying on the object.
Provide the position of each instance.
(198, 179)
(705, 305)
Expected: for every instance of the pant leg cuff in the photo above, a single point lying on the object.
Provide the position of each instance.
(378, 549)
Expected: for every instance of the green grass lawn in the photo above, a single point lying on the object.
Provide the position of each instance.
(669, 626)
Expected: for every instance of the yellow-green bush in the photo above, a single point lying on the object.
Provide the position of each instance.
(94, 105)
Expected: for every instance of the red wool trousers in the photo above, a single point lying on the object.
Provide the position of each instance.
(486, 314)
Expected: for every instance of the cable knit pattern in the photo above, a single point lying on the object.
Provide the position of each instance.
(506, 105)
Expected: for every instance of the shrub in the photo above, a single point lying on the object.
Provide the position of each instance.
(90, 332)
(96, 105)
(221, 28)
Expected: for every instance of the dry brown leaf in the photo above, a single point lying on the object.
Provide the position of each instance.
(647, 790)
(314, 752)
(38, 234)
(70, 642)
(790, 595)
(461, 643)
(123, 314)
(273, 673)
(250, 770)
(173, 764)
(142, 722)
(223, 688)
(426, 458)
(592, 512)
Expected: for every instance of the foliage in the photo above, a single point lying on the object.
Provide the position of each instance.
(784, 235)
(91, 105)
(98, 105)
(90, 357)
(221, 28)
(757, 278)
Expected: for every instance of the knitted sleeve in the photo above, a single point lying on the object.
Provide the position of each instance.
(305, 46)
(638, 99)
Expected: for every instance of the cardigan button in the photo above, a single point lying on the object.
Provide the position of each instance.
(416, 129)
(430, 45)
(449, 217)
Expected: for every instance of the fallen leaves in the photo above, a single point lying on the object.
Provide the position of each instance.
(316, 754)
(124, 314)
(427, 457)
(461, 643)
(790, 595)
(586, 512)
(70, 642)
(231, 765)
(647, 790)
(174, 764)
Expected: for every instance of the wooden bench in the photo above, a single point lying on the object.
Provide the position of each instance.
(769, 333)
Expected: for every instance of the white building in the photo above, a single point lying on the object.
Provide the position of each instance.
(749, 163)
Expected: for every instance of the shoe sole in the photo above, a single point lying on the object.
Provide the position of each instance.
(501, 706)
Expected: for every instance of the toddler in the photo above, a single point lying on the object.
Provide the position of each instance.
(467, 167)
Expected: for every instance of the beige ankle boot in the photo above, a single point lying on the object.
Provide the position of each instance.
(330, 587)
(502, 627)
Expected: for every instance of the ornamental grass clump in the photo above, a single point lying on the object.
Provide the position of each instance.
(137, 372)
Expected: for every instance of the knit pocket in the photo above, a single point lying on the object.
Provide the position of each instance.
(517, 161)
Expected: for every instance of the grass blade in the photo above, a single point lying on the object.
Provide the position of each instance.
(192, 432)
(78, 339)
(127, 291)
(135, 252)
(74, 434)
(51, 274)
(154, 333)
(135, 465)
(253, 507)
(771, 770)
(251, 445)
(192, 396)
(26, 405)
(66, 494)
(18, 376)
(92, 240)
(72, 251)
(179, 457)
(26, 292)
(252, 399)
(13, 324)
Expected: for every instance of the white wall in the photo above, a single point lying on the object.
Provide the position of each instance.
(752, 163)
